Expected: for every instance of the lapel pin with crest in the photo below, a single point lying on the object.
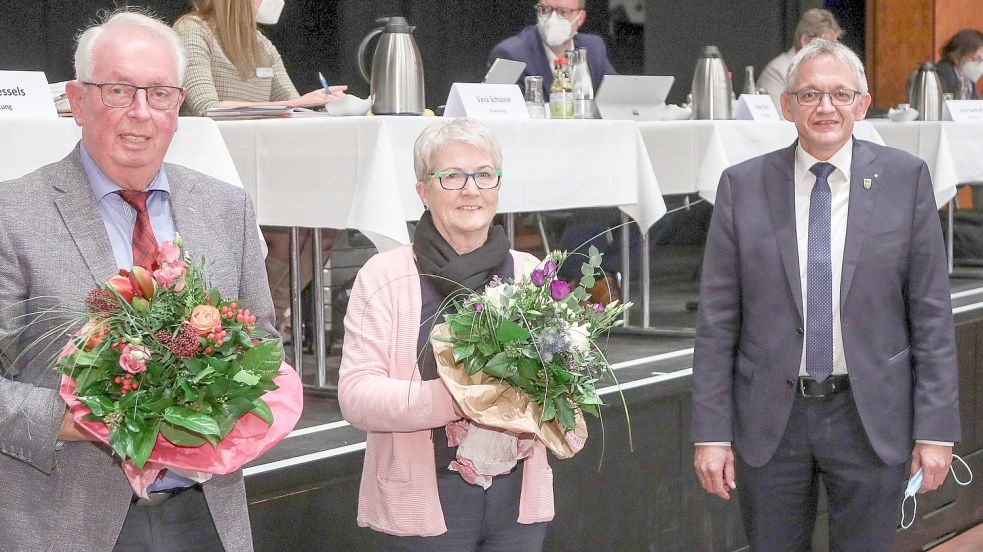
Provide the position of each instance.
(868, 183)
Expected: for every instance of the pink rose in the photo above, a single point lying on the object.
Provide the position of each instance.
(134, 359)
(171, 276)
(168, 253)
(456, 432)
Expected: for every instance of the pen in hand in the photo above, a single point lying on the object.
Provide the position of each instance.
(324, 83)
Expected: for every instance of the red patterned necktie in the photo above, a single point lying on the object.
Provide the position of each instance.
(144, 241)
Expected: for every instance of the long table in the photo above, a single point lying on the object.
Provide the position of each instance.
(357, 172)
(689, 156)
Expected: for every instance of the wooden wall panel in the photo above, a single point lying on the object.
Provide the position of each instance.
(899, 37)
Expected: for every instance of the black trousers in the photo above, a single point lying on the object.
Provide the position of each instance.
(477, 520)
(182, 523)
(779, 500)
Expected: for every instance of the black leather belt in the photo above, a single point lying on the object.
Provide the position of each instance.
(159, 497)
(812, 389)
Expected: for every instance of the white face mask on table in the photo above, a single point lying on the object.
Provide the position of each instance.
(972, 70)
(555, 30)
(269, 11)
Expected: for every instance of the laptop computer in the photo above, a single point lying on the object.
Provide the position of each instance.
(504, 71)
(633, 97)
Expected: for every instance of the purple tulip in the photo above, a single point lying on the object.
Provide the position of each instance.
(538, 277)
(550, 267)
(559, 289)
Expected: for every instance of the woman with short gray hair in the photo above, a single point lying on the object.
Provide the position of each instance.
(389, 384)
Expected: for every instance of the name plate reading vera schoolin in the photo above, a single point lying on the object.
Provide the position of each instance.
(488, 101)
(25, 94)
(756, 107)
(963, 111)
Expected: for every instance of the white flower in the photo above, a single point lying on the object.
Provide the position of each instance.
(579, 336)
(495, 296)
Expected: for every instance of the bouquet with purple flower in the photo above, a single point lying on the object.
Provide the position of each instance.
(525, 357)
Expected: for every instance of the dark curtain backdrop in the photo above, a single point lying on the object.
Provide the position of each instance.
(454, 36)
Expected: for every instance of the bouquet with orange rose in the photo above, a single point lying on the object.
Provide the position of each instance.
(172, 375)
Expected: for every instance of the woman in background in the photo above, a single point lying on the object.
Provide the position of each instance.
(231, 64)
(961, 65)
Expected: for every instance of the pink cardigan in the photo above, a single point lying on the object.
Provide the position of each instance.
(380, 391)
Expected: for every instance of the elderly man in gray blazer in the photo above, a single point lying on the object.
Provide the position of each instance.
(825, 342)
(65, 228)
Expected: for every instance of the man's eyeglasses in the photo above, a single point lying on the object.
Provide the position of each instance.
(838, 97)
(566, 13)
(117, 94)
(485, 179)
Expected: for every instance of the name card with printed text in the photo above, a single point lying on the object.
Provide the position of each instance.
(501, 101)
(756, 107)
(963, 111)
(25, 94)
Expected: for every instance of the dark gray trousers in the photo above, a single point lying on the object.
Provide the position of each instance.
(477, 520)
(779, 500)
(180, 524)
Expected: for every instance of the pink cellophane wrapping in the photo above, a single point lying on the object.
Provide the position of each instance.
(249, 439)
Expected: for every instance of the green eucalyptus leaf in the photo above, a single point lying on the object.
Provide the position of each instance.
(580, 294)
(564, 413)
(143, 444)
(98, 404)
(549, 411)
(203, 374)
(593, 251)
(119, 441)
(193, 420)
(181, 436)
(265, 358)
(463, 351)
(586, 269)
(87, 378)
(498, 365)
(587, 282)
(261, 409)
(246, 377)
(508, 330)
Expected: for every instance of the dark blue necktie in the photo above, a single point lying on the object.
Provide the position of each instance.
(819, 311)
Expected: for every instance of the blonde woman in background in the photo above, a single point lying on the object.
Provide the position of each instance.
(231, 64)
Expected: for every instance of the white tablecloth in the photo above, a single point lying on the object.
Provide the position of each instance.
(26, 145)
(689, 156)
(357, 172)
(953, 151)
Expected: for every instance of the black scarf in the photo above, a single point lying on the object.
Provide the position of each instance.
(436, 257)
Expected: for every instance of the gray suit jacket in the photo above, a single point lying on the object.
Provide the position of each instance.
(896, 315)
(53, 250)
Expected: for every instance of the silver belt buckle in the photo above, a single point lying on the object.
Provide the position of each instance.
(802, 390)
(153, 499)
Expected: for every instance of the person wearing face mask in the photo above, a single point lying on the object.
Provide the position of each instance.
(961, 65)
(555, 31)
(231, 64)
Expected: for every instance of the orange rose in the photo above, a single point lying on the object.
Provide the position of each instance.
(205, 319)
(92, 333)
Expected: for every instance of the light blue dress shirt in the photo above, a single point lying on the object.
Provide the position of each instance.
(120, 218)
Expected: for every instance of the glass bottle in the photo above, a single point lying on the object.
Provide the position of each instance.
(749, 85)
(561, 92)
(534, 97)
(583, 86)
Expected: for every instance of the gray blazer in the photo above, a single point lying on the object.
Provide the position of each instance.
(53, 250)
(896, 315)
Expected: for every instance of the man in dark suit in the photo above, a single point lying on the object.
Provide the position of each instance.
(554, 32)
(68, 226)
(825, 342)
